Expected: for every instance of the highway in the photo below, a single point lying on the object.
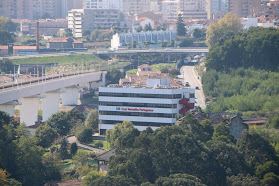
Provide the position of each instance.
(189, 74)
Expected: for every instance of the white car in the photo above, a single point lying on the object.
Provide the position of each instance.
(197, 57)
(168, 49)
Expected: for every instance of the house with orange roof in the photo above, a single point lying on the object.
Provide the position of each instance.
(61, 43)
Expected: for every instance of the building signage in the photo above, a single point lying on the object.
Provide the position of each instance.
(135, 109)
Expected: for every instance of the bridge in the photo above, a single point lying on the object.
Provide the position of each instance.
(195, 50)
(46, 90)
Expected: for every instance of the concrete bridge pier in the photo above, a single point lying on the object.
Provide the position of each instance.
(29, 110)
(70, 96)
(50, 104)
(9, 108)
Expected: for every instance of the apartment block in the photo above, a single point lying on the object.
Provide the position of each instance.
(102, 4)
(244, 8)
(170, 10)
(90, 19)
(217, 8)
(136, 6)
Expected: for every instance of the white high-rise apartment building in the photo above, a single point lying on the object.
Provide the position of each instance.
(103, 4)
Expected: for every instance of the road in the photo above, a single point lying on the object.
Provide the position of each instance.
(189, 74)
(73, 139)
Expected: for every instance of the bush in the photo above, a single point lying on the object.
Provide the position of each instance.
(185, 43)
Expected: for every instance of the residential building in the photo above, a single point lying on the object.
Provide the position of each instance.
(103, 4)
(142, 22)
(170, 10)
(124, 39)
(152, 102)
(244, 8)
(90, 19)
(136, 6)
(62, 43)
(217, 8)
(46, 26)
(273, 8)
(192, 9)
(8, 8)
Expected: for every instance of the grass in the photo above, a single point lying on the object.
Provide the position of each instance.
(61, 60)
(105, 144)
(133, 71)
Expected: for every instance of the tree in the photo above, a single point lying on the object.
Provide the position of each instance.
(63, 150)
(146, 44)
(179, 179)
(163, 44)
(134, 44)
(113, 76)
(270, 179)
(256, 149)
(180, 26)
(241, 180)
(82, 158)
(118, 129)
(224, 29)
(6, 37)
(6, 65)
(111, 180)
(269, 166)
(147, 28)
(222, 133)
(94, 35)
(85, 135)
(45, 135)
(7, 25)
(139, 29)
(69, 32)
(185, 43)
(4, 177)
(74, 149)
(91, 176)
(274, 122)
(172, 43)
(197, 33)
(92, 120)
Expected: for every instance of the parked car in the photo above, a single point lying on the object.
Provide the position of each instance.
(187, 84)
(197, 57)
(168, 49)
(197, 88)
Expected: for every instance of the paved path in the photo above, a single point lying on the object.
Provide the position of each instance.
(189, 74)
(73, 139)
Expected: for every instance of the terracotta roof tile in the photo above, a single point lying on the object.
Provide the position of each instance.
(3, 47)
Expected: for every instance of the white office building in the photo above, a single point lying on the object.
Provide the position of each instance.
(143, 106)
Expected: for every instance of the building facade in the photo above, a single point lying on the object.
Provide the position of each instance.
(217, 8)
(121, 40)
(103, 4)
(144, 107)
(90, 19)
(170, 10)
(244, 8)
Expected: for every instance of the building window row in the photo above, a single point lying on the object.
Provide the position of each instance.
(138, 104)
(141, 114)
(136, 123)
(162, 96)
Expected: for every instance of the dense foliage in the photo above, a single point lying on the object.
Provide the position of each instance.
(190, 154)
(181, 31)
(256, 47)
(242, 90)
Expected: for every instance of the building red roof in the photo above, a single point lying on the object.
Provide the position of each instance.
(258, 122)
(25, 47)
(3, 47)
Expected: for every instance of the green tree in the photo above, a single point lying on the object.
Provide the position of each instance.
(6, 37)
(180, 26)
(115, 181)
(82, 158)
(197, 33)
(69, 32)
(92, 120)
(74, 149)
(91, 176)
(147, 28)
(85, 135)
(134, 44)
(146, 44)
(7, 25)
(270, 179)
(139, 29)
(179, 179)
(269, 166)
(172, 43)
(224, 29)
(119, 129)
(6, 65)
(185, 43)
(256, 149)
(45, 135)
(274, 122)
(94, 35)
(242, 180)
(63, 150)
(113, 76)
(222, 133)
(60, 122)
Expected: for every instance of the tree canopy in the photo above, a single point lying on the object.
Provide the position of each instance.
(180, 26)
(224, 29)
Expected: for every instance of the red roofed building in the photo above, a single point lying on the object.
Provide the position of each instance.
(3, 50)
(60, 43)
